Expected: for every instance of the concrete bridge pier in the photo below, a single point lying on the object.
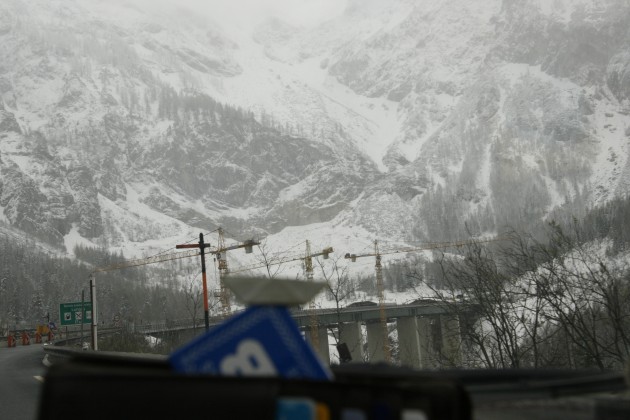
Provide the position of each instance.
(376, 339)
(416, 346)
(319, 342)
(409, 349)
(350, 333)
(451, 340)
(425, 328)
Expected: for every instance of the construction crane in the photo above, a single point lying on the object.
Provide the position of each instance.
(219, 252)
(381, 295)
(221, 258)
(379, 275)
(307, 260)
(198, 250)
(308, 269)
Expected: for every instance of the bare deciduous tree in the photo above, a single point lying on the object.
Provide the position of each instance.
(539, 303)
(273, 262)
(341, 289)
(194, 299)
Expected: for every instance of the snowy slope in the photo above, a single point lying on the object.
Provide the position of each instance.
(399, 121)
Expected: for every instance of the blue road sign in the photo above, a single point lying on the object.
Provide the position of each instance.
(261, 341)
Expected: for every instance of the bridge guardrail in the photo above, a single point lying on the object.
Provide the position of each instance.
(329, 315)
(54, 354)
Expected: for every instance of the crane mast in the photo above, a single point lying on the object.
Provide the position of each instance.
(308, 268)
(381, 301)
(307, 259)
(308, 262)
(221, 256)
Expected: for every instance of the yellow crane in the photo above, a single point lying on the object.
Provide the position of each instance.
(196, 250)
(379, 274)
(309, 273)
(308, 269)
(307, 260)
(221, 257)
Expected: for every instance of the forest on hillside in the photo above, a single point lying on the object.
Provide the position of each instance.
(34, 281)
(557, 299)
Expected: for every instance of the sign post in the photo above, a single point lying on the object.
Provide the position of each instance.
(202, 250)
(83, 314)
(94, 313)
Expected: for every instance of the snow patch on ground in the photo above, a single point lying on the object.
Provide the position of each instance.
(556, 198)
(3, 217)
(317, 102)
(374, 120)
(139, 231)
(563, 10)
(152, 341)
(610, 132)
(483, 179)
(25, 163)
(74, 238)
(515, 72)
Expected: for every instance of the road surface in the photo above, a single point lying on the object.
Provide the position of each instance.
(21, 372)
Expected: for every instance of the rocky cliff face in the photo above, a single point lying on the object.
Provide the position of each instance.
(410, 119)
(508, 109)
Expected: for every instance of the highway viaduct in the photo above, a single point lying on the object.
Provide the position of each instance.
(429, 332)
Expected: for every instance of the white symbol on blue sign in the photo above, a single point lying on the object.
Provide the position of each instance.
(250, 359)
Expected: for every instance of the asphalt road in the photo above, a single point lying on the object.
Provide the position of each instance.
(21, 372)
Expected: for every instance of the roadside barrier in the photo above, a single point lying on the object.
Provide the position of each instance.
(26, 339)
(11, 340)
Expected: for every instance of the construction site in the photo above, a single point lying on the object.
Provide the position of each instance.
(427, 331)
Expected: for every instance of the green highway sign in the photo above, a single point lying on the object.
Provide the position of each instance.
(71, 313)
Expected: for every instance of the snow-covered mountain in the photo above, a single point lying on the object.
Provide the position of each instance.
(134, 125)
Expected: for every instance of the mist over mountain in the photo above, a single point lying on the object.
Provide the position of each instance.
(128, 126)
